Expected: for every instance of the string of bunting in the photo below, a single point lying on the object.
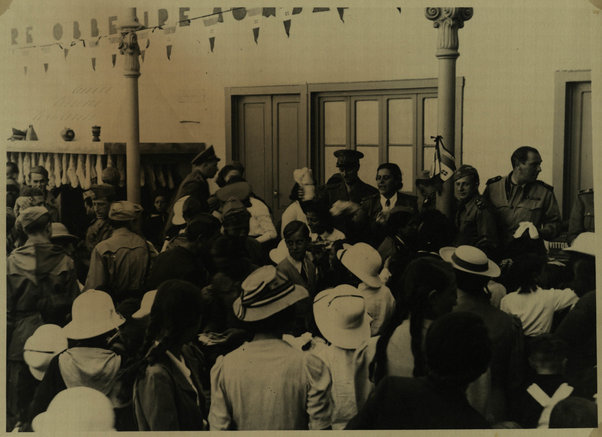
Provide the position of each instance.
(209, 20)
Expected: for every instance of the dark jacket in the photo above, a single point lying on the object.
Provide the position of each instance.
(476, 225)
(165, 401)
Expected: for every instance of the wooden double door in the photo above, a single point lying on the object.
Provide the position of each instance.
(269, 138)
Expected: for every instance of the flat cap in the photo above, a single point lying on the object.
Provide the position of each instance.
(124, 211)
(205, 156)
(103, 191)
(30, 215)
(238, 190)
(346, 157)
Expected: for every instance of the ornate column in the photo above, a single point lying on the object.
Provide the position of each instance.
(447, 21)
(128, 46)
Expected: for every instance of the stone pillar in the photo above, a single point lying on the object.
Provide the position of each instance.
(128, 46)
(447, 21)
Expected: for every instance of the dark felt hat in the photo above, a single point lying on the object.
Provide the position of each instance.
(348, 157)
(205, 156)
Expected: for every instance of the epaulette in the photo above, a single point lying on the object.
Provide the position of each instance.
(586, 191)
(492, 180)
(481, 202)
(549, 187)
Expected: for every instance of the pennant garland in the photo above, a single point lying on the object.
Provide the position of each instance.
(287, 27)
(341, 12)
(269, 12)
(94, 64)
(66, 52)
(212, 43)
(256, 34)
(45, 67)
(398, 10)
(113, 59)
(321, 9)
(168, 47)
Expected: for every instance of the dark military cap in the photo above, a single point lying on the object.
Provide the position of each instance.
(103, 191)
(348, 157)
(466, 170)
(205, 156)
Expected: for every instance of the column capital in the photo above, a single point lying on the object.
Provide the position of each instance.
(448, 21)
(128, 44)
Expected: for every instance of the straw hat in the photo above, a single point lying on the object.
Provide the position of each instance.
(266, 292)
(93, 313)
(145, 305)
(363, 261)
(470, 259)
(77, 409)
(585, 243)
(279, 253)
(341, 316)
(46, 342)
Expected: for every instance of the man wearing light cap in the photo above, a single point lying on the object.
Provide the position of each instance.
(474, 219)
(119, 265)
(348, 188)
(100, 230)
(38, 178)
(41, 285)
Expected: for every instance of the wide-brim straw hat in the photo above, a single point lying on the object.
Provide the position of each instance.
(585, 243)
(39, 349)
(279, 253)
(93, 313)
(341, 316)
(266, 292)
(471, 260)
(363, 261)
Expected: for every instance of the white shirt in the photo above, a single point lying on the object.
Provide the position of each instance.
(261, 226)
(292, 212)
(380, 305)
(392, 202)
(536, 309)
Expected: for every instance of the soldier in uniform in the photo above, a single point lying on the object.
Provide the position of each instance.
(348, 188)
(38, 178)
(120, 264)
(100, 229)
(474, 218)
(582, 214)
(520, 197)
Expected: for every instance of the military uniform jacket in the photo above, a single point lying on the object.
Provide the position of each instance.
(195, 185)
(582, 214)
(476, 225)
(98, 231)
(534, 202)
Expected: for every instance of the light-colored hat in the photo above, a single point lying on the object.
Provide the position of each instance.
(266, 292)
(30, 215)
(585, 243)
(363, 261)
(145, 305)
(178, 211)
(46, 342)
(59, 230)
(471, 260)
(124, 211)
(76, 409)
(93, 313)
(279, 253)
(303, 176)
(237, 190)
(341, 316)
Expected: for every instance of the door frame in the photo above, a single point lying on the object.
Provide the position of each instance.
(561, 128)
(232, 93)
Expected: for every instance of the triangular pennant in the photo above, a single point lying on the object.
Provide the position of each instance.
(212, 43)
(398, 10)
(341, 13)
(25, 69)
(83, 42)
(220, 16)
(297, 11)
(94, 64)
(142, 53)
(256, 34)
(147, 43)
(269, 12)
(168, 51)
(45, 67)
(321, 9)
(239, 13)
(66, 52)
(113, 58)
(287, 27)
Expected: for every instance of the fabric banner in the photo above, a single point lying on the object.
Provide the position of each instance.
(444, 164)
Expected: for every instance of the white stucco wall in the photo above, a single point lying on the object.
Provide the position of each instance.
(508, 56)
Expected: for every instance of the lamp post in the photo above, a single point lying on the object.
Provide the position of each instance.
(447, 21)
(128, 46)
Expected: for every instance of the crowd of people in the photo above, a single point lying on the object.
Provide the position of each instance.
(362, 307)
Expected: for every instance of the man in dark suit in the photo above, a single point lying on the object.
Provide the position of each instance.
(350, 190)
